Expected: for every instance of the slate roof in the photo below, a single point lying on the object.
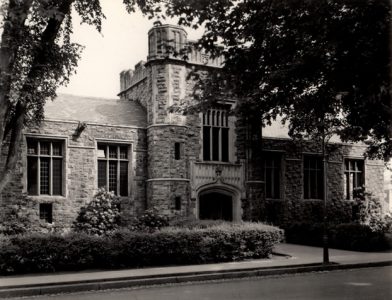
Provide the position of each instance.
(277, 130)
(96, 110)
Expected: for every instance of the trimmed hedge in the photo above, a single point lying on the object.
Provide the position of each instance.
(348, 236)
(125, 249)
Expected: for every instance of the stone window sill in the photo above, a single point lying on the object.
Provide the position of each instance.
(47, 197)
(313, 200)
(274, 199)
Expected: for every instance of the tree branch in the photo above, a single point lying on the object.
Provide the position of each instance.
(8, 50)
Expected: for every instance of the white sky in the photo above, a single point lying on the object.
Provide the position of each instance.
(122, 44)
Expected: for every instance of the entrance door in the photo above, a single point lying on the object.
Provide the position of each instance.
(215, 206)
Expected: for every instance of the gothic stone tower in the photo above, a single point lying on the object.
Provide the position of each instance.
(190, 170)
(167, 134)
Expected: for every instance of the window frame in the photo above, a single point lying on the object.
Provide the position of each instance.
(177, 203)
(277, 156)
(107, 159)
(38, 156)
(46, 212)
(319, 190)
(216, 135)
(178, 151)
(347, 184)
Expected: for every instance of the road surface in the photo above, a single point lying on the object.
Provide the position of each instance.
(370, 283)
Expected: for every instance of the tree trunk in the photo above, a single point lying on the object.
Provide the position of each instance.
(7, 56)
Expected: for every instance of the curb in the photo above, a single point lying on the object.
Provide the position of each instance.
(127, 282)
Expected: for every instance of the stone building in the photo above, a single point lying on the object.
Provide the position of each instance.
(196, 165)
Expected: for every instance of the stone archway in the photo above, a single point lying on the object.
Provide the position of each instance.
(219, 202)
(215, 206)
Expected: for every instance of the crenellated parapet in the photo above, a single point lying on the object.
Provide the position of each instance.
(167, 42)
(130, 78)
(170, 42)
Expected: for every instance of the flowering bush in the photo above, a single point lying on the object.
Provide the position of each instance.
(370, 211)
(18, 220)
(101, 215)
(151, 220)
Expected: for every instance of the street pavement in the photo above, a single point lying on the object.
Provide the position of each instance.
(289, 258)
(358, 284)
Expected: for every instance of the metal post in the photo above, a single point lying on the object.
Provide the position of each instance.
(325, 196)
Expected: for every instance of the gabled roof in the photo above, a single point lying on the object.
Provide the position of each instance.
(96, 110)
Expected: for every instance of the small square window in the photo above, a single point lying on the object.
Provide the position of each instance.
(46, 212)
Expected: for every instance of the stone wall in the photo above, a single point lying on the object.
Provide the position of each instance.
(80, 170)
(292, 207)
(162, 193)
(139, 88)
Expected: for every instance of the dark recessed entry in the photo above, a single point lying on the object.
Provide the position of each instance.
(215, 206)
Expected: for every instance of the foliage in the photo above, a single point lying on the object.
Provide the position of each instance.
(37, 55)
(370, 211)
(349, 236)
(151, 220)
(124, 248)
(101, 215)
(17, 219)
(358, 237)
(323, 65)
(193, 223)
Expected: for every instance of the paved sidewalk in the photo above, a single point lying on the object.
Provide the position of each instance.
(292, 259)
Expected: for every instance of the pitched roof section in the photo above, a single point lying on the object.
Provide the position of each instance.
(96, 110)
(279, 130)
(276, 130)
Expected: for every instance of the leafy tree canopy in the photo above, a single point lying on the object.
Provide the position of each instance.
(36, 57)
(323, 65)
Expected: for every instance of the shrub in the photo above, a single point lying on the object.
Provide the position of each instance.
(192, 223)
(305, 233)
(17, 220)
(369, 209)
(349, 236)
(124, 248)
(151, 220)
(354, 236)
(100, 216)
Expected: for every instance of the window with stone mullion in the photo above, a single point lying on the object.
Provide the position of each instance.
(215, 135)
(354, 171)
(272, 171)
(313, 177)
(44, 167)
(113, 168)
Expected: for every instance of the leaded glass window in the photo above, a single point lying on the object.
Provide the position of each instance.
(216, 135)
(44, 167)
(113, 168)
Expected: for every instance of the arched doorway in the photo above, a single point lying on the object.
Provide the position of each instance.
(215, 206)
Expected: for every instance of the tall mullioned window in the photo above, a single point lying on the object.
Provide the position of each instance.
(353, 176)
(113, 168)
(216, 135)
(44, 167)
(272, 175)
(313, 177)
